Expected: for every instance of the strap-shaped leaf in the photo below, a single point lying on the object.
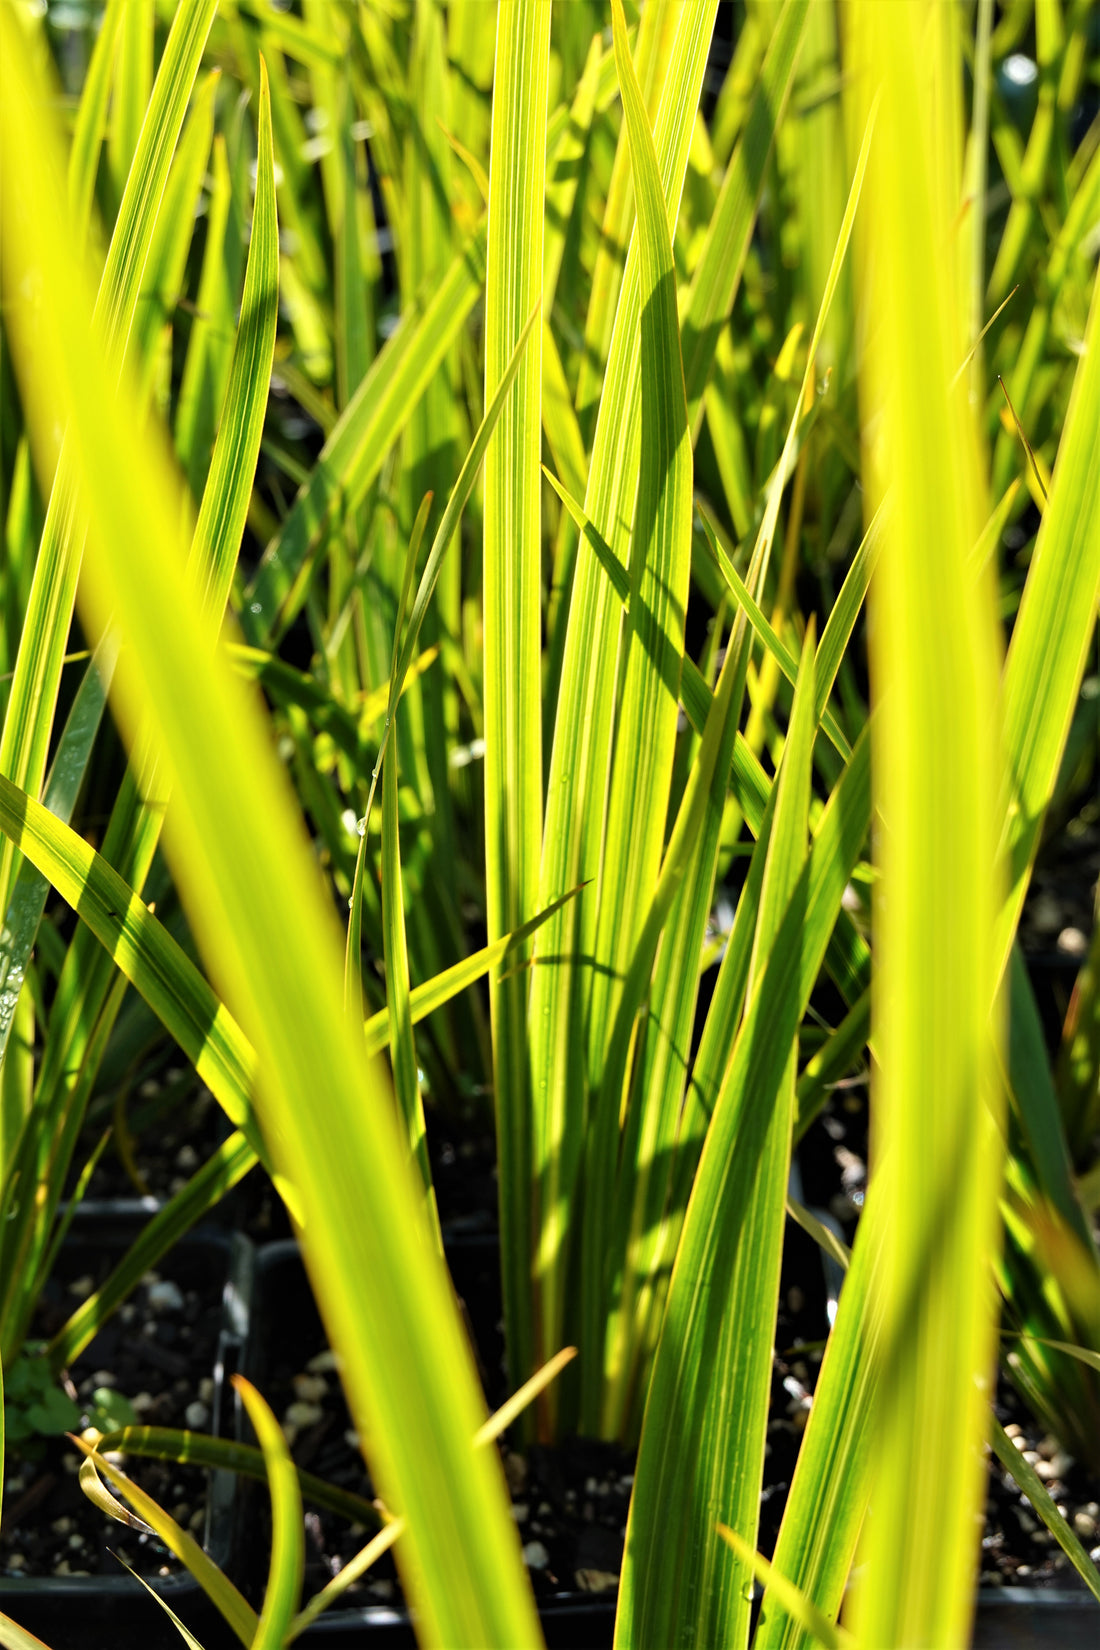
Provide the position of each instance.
(934, 665)
(244, 866)
(576, 794)
(512, 573)
(34, 686)
(703, 1436)
(225, 1595)
(284, 1576)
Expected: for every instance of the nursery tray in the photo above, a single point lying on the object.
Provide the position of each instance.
(86, 1610)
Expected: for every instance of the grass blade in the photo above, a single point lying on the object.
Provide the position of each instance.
(703, 1435)
(237, 837)
(934, 669)
(284, 1579)
(512, 609)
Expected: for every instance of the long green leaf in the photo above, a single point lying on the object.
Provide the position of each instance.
(1050, 639)
(248, 878)
(649, 669)
(221, 1455)
(828, 1496)
(576, 795)
(223, 1592)
(512, 609)
(934, 667)
(703, 1436)
(28, 720)
(228, 1164)
(136, 819)
(284, 1578)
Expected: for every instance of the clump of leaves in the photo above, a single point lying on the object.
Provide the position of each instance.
(37, 1407)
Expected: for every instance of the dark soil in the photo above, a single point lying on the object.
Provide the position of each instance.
(571, 1503)
(160, 1350)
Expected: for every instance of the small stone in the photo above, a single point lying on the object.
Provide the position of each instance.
(165, 1297)
(143, 1401)
(596, 1581)
(1023, 1570)
(325, 1363)
(1012, 1430)
(521, 1512)
(381, 1589)
(796, 1300)
(515, 1471)
(1046, 1471)
(62, 1568)
(1073, 942)
(82, 1287)
(351, 1438)
(309, 1388)
(197, 1520)
(63, 1526)
(1033, 1456)
(181, 1512)
(1084, 1523)
(71, 1461)
(535, 1556)
(590, 1486)
(127, 1312)
(303, 1415)
(1094, 1554)
(76, 1541)
(196, 1415)
(206, 1390)
(16, 1561)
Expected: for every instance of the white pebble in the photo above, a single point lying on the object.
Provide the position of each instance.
(521, 1512)
(1073, 941)
(196, 1415)
(187, 1159)
(165, 1297)
(1084, 1523)
(16, 1561)
(303, 1415)
(104, 1377)
(309, 1388)
(63, 1526)
(351, 1438)
(82, 1287)
(325, 1363)
(206, 1390)
(535, 1556)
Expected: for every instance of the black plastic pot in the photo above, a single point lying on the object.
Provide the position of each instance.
(1012, 1618)
(86, 1612)
(284, 1315)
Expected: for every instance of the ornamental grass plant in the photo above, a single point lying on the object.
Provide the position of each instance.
(530, 479)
